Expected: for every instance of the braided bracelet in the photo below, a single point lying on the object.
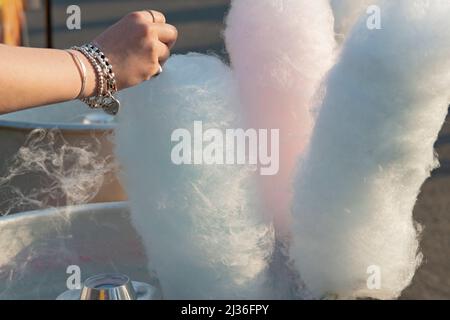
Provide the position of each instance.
(107, 68)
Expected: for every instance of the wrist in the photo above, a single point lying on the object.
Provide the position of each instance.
(106, 84)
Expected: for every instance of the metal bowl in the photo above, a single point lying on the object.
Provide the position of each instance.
(39, 248)
(77, 125)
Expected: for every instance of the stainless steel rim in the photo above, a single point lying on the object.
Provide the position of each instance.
(108, 287)
(61, 126)
(84, 208)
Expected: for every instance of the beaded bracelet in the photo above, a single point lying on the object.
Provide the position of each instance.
(107, 68)
(106, 82)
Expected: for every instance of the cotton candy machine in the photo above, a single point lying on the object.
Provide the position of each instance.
(42, 251)
(76, 126)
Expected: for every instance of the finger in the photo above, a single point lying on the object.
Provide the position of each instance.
(167, 34)
(163, 52)
(155, 16)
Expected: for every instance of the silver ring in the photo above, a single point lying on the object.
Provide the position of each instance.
(159, 71)
(153, 15)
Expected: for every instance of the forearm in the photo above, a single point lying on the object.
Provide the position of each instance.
(32, 77)
(136, 48)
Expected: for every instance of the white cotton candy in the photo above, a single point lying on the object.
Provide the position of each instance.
(347, 13)
(371, 151)
(280, 51)
(200, 223)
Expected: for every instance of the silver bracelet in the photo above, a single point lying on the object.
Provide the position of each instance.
(93, 102)
(110, 104)
(106, 82)
(107, 68)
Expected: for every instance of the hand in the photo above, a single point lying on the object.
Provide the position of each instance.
(137, 46)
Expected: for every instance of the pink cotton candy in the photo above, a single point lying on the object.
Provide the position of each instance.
(280, 51)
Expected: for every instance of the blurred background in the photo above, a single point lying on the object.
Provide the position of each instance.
(41, 23)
